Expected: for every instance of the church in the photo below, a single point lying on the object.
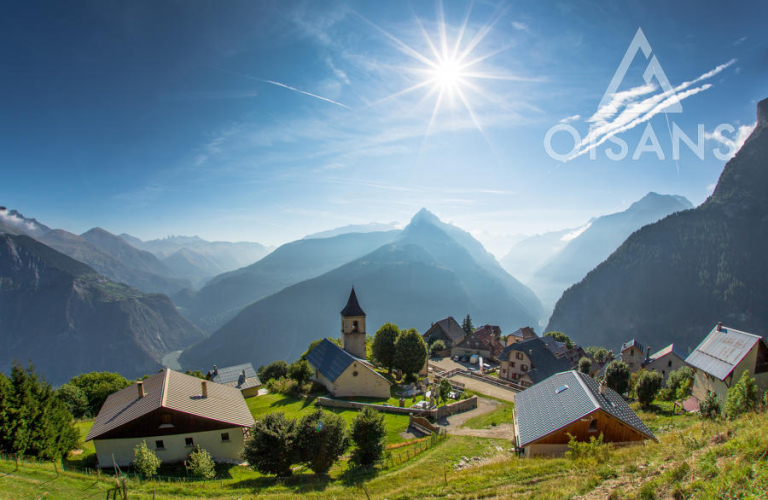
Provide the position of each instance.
(344, 370)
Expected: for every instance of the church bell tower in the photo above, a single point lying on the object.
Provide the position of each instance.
(353, 327)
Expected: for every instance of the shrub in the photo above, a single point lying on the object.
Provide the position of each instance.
(647, 387)
(444, 389)
(436, 347)
(273, 371)
(585, 365)
(369, 434)
(300, 371)
(765, 400)
(201, 464)
(145, 461)
(710, 407)
(599, 354)
(321, 438)
(742, 397)
(271, 448)
(592, 450)
(679, 384)
(617, 376)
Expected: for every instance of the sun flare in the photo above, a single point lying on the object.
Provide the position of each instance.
(448, 74)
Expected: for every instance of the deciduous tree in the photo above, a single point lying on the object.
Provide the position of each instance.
(647, 387)
(271, 448)
(321, 438)
(617, 376)
(411, 352)
(369, 435)
(384, 345)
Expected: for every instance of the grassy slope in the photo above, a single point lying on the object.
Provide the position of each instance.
(693, 459)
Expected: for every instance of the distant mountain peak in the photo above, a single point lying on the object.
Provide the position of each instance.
(653, 199)
(425, 215)
(762, 113)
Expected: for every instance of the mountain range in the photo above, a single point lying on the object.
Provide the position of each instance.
(199, 260)
(428, 271)
(66, 318)
(671, 281)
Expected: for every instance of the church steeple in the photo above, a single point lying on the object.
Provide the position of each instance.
(353, 327)
(353, 306)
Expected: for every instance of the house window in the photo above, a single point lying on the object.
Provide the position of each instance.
(519, 355)
(159, 445)
(524, 368)
(669, 364)
(593, 425)
(512, 364)
(354, 373)
(225, 437)
(189, 442)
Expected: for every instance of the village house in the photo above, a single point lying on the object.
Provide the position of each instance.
(521, 334)
(485, 342)
(171, 412)
(344, 370)
(242, 377)
(720, 360)
(572, 404)
(665, 361)
(527, 363)
(634, 354)
(448, 330)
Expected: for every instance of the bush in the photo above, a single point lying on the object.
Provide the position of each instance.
(273, 371)
(710, 407)
(145, 461)
(679, 383)
(742, 397)
(271, 448)
(300, 371)
(444, 390)
(647, 387)
(585, 365)
(74, 399)
(321, 438)
(436, 347)
(369, 434)
(592, 450)
(599, 354)
(617, 376)
(201, 464)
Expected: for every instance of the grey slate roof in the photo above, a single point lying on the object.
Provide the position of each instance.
(353, 306)
(543, 362)
(331, 360)
(633, 342)
(721, 351)
(232, 376)
(541, 410)
(451, 328)
(175, 391)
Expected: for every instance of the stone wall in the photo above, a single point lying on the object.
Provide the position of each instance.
(438, 413)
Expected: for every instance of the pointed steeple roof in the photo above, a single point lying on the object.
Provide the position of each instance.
(353, 307)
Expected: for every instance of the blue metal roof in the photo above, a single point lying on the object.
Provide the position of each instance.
(543, 362)
(331, 360)
(232, 375)
(564, 398)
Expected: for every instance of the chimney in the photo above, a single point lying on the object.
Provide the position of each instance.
(215, 370)
(720, 326)
(205, 389)
(140, 387)
(647, 353)
(603, 387)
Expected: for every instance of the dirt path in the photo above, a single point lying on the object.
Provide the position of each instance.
(485, 388)
(503, 431)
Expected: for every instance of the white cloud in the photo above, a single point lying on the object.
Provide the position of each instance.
(637, 112)
(570, 119)
(520, 26)
(736, 142)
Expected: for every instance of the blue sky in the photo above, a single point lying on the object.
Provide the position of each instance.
(265, 121)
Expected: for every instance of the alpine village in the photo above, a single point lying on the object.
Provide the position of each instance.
(621, 356)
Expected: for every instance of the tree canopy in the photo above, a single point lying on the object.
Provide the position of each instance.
(383, 349)
(617, 376)
(411, 352)
(561, 337)
(97, 386)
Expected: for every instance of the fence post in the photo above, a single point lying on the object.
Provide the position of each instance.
(125, 490)
(16, 456)
(55, 467)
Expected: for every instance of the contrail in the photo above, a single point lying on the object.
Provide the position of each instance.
(272, 82)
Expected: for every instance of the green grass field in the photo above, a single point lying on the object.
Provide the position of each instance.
(693, 459)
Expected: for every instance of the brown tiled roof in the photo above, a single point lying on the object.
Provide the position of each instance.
(175, 391)
(485, 338)
(450, 327)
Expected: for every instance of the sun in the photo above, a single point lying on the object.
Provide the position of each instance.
(449, 67)
(448, 74)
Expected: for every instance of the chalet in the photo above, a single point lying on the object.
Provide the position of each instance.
(485, 342)
(344, 370)
(520, 335)
(172, 413)
(528, 363)
(722, 357)
(448, 330)
(666, 361)
(572, 403)
(242, 377)
(634, 354)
